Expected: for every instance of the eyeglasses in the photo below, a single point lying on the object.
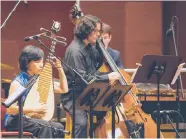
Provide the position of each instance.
(97, 31)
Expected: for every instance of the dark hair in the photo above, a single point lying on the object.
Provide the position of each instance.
(28, 54)
(86, 26)
(106, 29)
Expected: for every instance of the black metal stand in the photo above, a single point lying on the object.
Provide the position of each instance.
(158, 106)
(178, 105)
(75, 75)
(91, 119)
(110, 98)
(73, 109)
(111, 101)
(74, 99)
(20, 118)
(113, 120)
(177, 134)
(158, 71)
(88, 101)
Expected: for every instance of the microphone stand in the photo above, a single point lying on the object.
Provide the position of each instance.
(179, 79)
(75, 75)
(10, 14)
(158, 71)
(177, 133)
(8, 102)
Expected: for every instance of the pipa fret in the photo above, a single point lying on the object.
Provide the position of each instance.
(45, 82)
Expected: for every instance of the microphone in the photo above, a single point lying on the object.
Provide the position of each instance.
(164, 112)
(34, 37)
(169, 32)
(80, 13)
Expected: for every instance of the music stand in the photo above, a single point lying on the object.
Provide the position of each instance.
(89, 97)
(101, 97)
(160, 70)
(111, 99)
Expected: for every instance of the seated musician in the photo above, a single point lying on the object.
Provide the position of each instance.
(107, 36)
(31, 63)
(86, 59)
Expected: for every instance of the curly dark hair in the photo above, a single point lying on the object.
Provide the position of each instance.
(28, 54)
(86, 26)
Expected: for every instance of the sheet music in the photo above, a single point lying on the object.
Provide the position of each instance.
(15, 95)
(134, 74)
(177, 73)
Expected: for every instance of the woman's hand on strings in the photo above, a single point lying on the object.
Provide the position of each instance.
(56, 63)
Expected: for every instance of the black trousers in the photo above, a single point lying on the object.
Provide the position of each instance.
(39, 128)
(81, 119)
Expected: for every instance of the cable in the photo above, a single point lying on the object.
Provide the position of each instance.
(9, 15)
(182, 119)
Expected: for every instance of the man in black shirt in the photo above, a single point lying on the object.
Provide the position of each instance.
(83, 55)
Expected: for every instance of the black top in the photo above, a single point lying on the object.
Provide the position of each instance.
(86, 60)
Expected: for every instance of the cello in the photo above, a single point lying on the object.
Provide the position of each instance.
(134, 120)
